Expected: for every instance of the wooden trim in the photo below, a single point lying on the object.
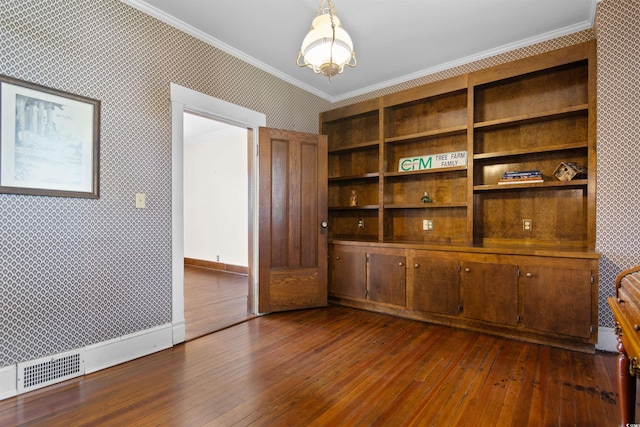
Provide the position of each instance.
(229, 268)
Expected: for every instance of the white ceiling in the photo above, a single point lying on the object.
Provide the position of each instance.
(394, 40)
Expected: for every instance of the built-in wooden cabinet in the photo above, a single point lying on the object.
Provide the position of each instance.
(490, 292)
(387, 278)
(375, 275)
(548, 297)
(532, 114)
(558, 300)
(434, 282)
(347, 272)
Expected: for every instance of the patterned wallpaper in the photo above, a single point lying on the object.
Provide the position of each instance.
(74, 272)
(618, 199)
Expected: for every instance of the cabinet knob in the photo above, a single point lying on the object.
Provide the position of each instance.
(529, 275)
(416, 265)
(338, 257)
(467, 269)
(636, 328)
(401, 264)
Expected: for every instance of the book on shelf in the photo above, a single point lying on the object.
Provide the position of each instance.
(521, 177)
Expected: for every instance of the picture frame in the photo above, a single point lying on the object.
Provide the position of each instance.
(49, 141)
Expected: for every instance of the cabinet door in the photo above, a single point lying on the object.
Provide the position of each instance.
(387, 279)
(490, 292)
(557, 300)
(347, 273)
(435, 285)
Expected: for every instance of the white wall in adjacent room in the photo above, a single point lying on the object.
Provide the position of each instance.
(216, 196)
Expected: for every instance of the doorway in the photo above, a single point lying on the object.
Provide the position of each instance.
(182, 100)
(215, 225)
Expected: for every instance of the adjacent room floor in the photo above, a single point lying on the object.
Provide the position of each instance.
(213, 300)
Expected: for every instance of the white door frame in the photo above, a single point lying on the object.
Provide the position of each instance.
(185, 99)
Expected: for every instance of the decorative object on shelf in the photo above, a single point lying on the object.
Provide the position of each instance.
(327, 47)
(523, 177)
(426, 198)
(434, 161)
(566, 171)
(49, 145)
(353, 200)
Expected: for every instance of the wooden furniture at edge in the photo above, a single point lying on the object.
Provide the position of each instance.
(626, 313)
(477, 268)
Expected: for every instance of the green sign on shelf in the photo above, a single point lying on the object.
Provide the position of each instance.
(434, 161)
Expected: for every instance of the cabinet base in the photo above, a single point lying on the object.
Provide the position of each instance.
(469, 325)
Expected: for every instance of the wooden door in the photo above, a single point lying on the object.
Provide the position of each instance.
(435, 285)
(292, 269)
(387, 279)
(490, 292)
(348, 273)
(557, 300)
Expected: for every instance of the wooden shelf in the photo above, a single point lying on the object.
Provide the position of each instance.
(529, 151)
(549, 184)
(353, 208)
(372, 175)
(456, 130)
(424, 205)
(352, 147)
(529, 118)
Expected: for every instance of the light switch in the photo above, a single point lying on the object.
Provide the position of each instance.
(140, 201)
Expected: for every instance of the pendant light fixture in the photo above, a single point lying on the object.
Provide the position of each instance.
(327, 48)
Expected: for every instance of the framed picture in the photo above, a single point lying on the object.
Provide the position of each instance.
(49, 141)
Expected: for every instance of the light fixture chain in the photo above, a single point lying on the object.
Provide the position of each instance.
(333, 32)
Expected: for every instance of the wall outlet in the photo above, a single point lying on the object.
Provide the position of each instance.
(427, 224)
(527, 224)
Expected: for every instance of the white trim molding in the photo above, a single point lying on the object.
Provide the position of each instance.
(607, 340)
(103, 355)
(8, 381)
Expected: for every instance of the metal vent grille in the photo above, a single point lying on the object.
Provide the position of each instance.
(50, 370)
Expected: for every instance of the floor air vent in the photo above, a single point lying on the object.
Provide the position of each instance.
(50, 370)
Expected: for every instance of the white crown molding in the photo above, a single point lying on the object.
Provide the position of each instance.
(170, 20)
(469, 59)
(182, 26)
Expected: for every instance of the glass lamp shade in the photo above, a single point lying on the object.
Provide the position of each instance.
(321, 51)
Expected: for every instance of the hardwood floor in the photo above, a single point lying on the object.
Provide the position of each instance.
(335, 367)
(213, 300)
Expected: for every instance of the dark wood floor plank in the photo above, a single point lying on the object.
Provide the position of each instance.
(332, 367)
(213, 300)
(472, 402)
(527, 375)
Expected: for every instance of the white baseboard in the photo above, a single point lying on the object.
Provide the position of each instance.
(8, 381)
(104, 354)
(179, 334)
(113, 352)
(607, 340)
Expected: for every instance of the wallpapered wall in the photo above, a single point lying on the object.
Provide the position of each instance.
(618, 187)
(76, 271)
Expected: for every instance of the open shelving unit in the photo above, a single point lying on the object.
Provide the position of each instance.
(507, 242)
